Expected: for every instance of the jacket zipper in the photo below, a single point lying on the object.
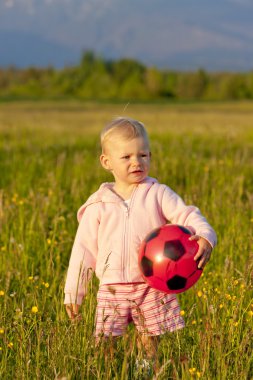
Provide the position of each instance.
(125, 245)
(126, 256)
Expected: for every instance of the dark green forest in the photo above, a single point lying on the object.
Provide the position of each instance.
(124, 79)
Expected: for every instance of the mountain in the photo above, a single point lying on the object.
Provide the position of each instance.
(23, 49)
(183, 35)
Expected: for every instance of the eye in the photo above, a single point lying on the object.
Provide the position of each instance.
(144, 155)
(125, 157)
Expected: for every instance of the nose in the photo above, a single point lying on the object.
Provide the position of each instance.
(136, 161)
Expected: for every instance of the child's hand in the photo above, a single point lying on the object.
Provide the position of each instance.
(204, 252)
(72, 311)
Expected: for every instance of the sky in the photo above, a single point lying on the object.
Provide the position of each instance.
(214, 35)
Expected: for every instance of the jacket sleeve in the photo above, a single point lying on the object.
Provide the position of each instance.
(83, 256)
(177, 212)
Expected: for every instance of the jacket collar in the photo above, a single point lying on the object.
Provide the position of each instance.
(106, 195)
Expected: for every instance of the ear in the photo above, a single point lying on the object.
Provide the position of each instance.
(105, 162)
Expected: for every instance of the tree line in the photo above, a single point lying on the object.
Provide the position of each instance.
(124, 79)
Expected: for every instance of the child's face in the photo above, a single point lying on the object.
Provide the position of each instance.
(128, 160)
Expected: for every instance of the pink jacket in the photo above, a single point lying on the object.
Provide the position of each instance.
(110, 233)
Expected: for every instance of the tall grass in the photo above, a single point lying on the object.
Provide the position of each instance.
(49, 166)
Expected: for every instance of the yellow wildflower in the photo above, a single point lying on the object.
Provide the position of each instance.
(49, 241)
(221, 306)
(1, 330)
(250, 313)
(35, 309)
(30, 278)
(46, 284)
(1, 293)
(192, 371)
(10, 345)
(199, 294)
(198, 374)
(194, 322)
(3, 248)
(182, 312)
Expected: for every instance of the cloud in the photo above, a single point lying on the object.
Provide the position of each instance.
(241, 3)
(28, 5)
(9, 3)
(95, 8)
(79, 9)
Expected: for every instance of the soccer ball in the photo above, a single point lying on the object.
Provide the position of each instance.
(166, 259)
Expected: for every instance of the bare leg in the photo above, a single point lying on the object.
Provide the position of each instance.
(148, 347)
(110, 343)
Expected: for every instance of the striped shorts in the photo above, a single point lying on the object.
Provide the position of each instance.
(153, 312)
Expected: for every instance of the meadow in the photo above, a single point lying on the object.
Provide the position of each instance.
(48, 167)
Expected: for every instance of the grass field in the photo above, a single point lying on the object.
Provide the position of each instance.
(48, 167)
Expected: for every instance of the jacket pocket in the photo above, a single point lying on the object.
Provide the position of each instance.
(111, 260)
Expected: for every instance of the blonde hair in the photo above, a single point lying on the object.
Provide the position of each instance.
(125, 127)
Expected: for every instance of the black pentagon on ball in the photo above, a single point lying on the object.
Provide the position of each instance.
(146, 266)
(173, 249)
(152, 235)
(176, 283)
(185, 230)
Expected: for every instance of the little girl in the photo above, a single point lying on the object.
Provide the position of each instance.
(112, 224)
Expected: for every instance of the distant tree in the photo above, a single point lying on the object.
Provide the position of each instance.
(97, 78)
(126, 67)
(4, 82)
(250, 84)
(200, 82)
(154, 82)
(132, 88)
(191, 85)
(94, 77)
(129, 77)
(87, 61)
(169, 84)
(235, 87)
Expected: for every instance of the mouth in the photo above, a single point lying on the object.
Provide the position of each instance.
(137, 172)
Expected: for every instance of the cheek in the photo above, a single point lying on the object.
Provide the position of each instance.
(147, 163)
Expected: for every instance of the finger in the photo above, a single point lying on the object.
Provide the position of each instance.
(72, 311)
(202, 264)
(203, 261)
(69, 311)
(194, 237)
(76, 318)
(199, 254)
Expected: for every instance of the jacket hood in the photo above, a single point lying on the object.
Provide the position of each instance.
(105, 194)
